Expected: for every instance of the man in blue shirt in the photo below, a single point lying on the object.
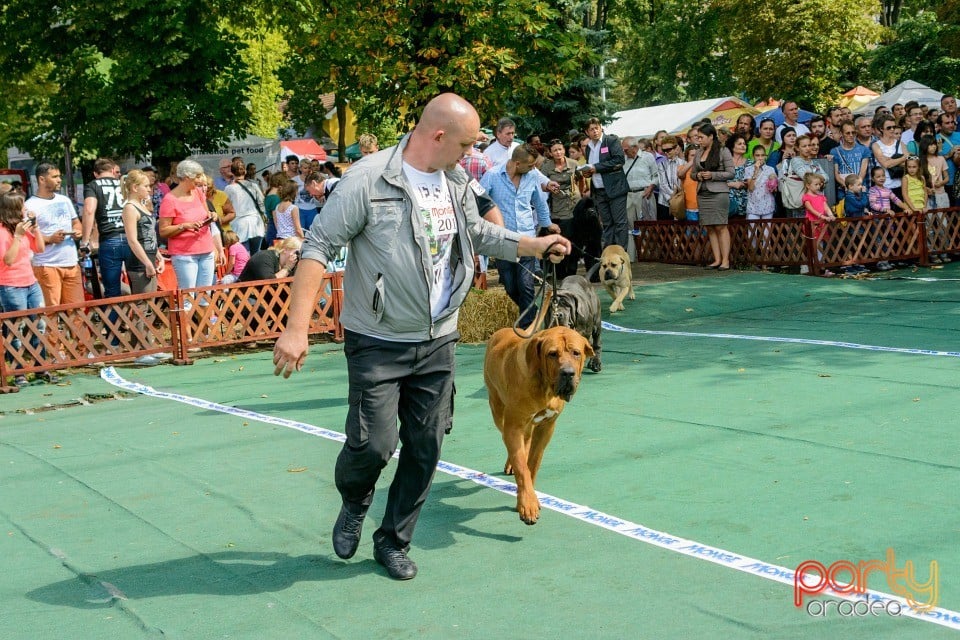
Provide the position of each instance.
(949, 140)
(849, 158)
(515, 188)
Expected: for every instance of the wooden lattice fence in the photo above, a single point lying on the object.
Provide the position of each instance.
(174, 321)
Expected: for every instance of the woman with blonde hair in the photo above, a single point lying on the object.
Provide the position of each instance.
(276, 262)
(144, 262)
(219, 203)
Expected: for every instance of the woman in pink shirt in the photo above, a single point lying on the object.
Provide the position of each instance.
(185, 223)
(19, 289)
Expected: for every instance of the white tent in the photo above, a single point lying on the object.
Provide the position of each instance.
(903, 93)
(677, 117)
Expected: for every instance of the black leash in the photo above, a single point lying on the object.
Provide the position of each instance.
(547, 305)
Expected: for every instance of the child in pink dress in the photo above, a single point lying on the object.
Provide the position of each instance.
(237, 257)
(816, 208)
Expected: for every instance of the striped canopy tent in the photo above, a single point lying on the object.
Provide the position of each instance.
(678, 117)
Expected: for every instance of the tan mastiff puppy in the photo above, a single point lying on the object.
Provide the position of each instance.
(616, 276)
(529, 381)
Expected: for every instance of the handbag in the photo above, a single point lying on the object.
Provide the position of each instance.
(791, 190)
(896, 172)
(678, 203)
(256, 202)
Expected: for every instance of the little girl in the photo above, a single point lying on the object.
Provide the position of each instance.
(935, 166)
(237, 257)
(689, 184)
(816, 208)
(19, 289)
(915, 186)
(287, 215)
(879, 197)
(761, 185)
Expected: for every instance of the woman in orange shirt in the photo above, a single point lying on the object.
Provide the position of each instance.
(689, 184)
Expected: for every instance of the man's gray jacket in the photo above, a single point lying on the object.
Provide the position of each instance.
(389, 271)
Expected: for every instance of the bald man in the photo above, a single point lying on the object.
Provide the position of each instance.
(413, 228)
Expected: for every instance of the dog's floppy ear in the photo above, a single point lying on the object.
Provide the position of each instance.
(572, 302)
(534, 355)
(587, 348)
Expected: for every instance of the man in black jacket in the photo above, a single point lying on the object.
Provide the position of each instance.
(609, 186)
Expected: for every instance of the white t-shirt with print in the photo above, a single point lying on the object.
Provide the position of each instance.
(54, 214)
(440, 225)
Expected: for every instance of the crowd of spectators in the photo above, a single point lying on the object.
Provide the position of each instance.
(899, 159)
(896, 159)
(132, 227)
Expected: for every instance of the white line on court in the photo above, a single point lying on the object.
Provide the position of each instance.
(690, 548)
(823, 343)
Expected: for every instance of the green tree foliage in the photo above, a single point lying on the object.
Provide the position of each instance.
(394, 56)
(265, 51)
(923, 48)
(131, 77)
(21, 95)
(799, 49)
(670, 51)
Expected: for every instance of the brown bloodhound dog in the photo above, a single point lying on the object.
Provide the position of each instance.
(529, 381)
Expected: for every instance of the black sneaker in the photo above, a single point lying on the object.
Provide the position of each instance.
(49, 378)
(395, 559)
(346, 532)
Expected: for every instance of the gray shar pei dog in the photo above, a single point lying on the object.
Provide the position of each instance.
(577, 306)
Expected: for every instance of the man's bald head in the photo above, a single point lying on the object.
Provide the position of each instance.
(448, 126)
(450, 113)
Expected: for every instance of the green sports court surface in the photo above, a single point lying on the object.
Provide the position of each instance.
(749, 423)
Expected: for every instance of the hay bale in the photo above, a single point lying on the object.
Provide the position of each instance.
(485, 311)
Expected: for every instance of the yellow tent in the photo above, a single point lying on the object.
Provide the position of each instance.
(857, 97)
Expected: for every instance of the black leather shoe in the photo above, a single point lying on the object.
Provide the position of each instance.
(395, 559)
(346, 532)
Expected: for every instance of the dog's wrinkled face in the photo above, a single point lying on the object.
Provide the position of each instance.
(611, 267)
(565, 312)
(562, 352)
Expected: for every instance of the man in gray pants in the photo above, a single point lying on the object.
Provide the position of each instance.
(413, 227)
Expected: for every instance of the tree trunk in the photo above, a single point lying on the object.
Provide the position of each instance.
(342, 128)
(890, 15)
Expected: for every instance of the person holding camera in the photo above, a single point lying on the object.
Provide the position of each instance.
(560, 169)
(608, 183)
(276, 262)
(56, 266)
(19, 289)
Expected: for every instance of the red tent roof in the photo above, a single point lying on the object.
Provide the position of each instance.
(860, 91)
(306, 148)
